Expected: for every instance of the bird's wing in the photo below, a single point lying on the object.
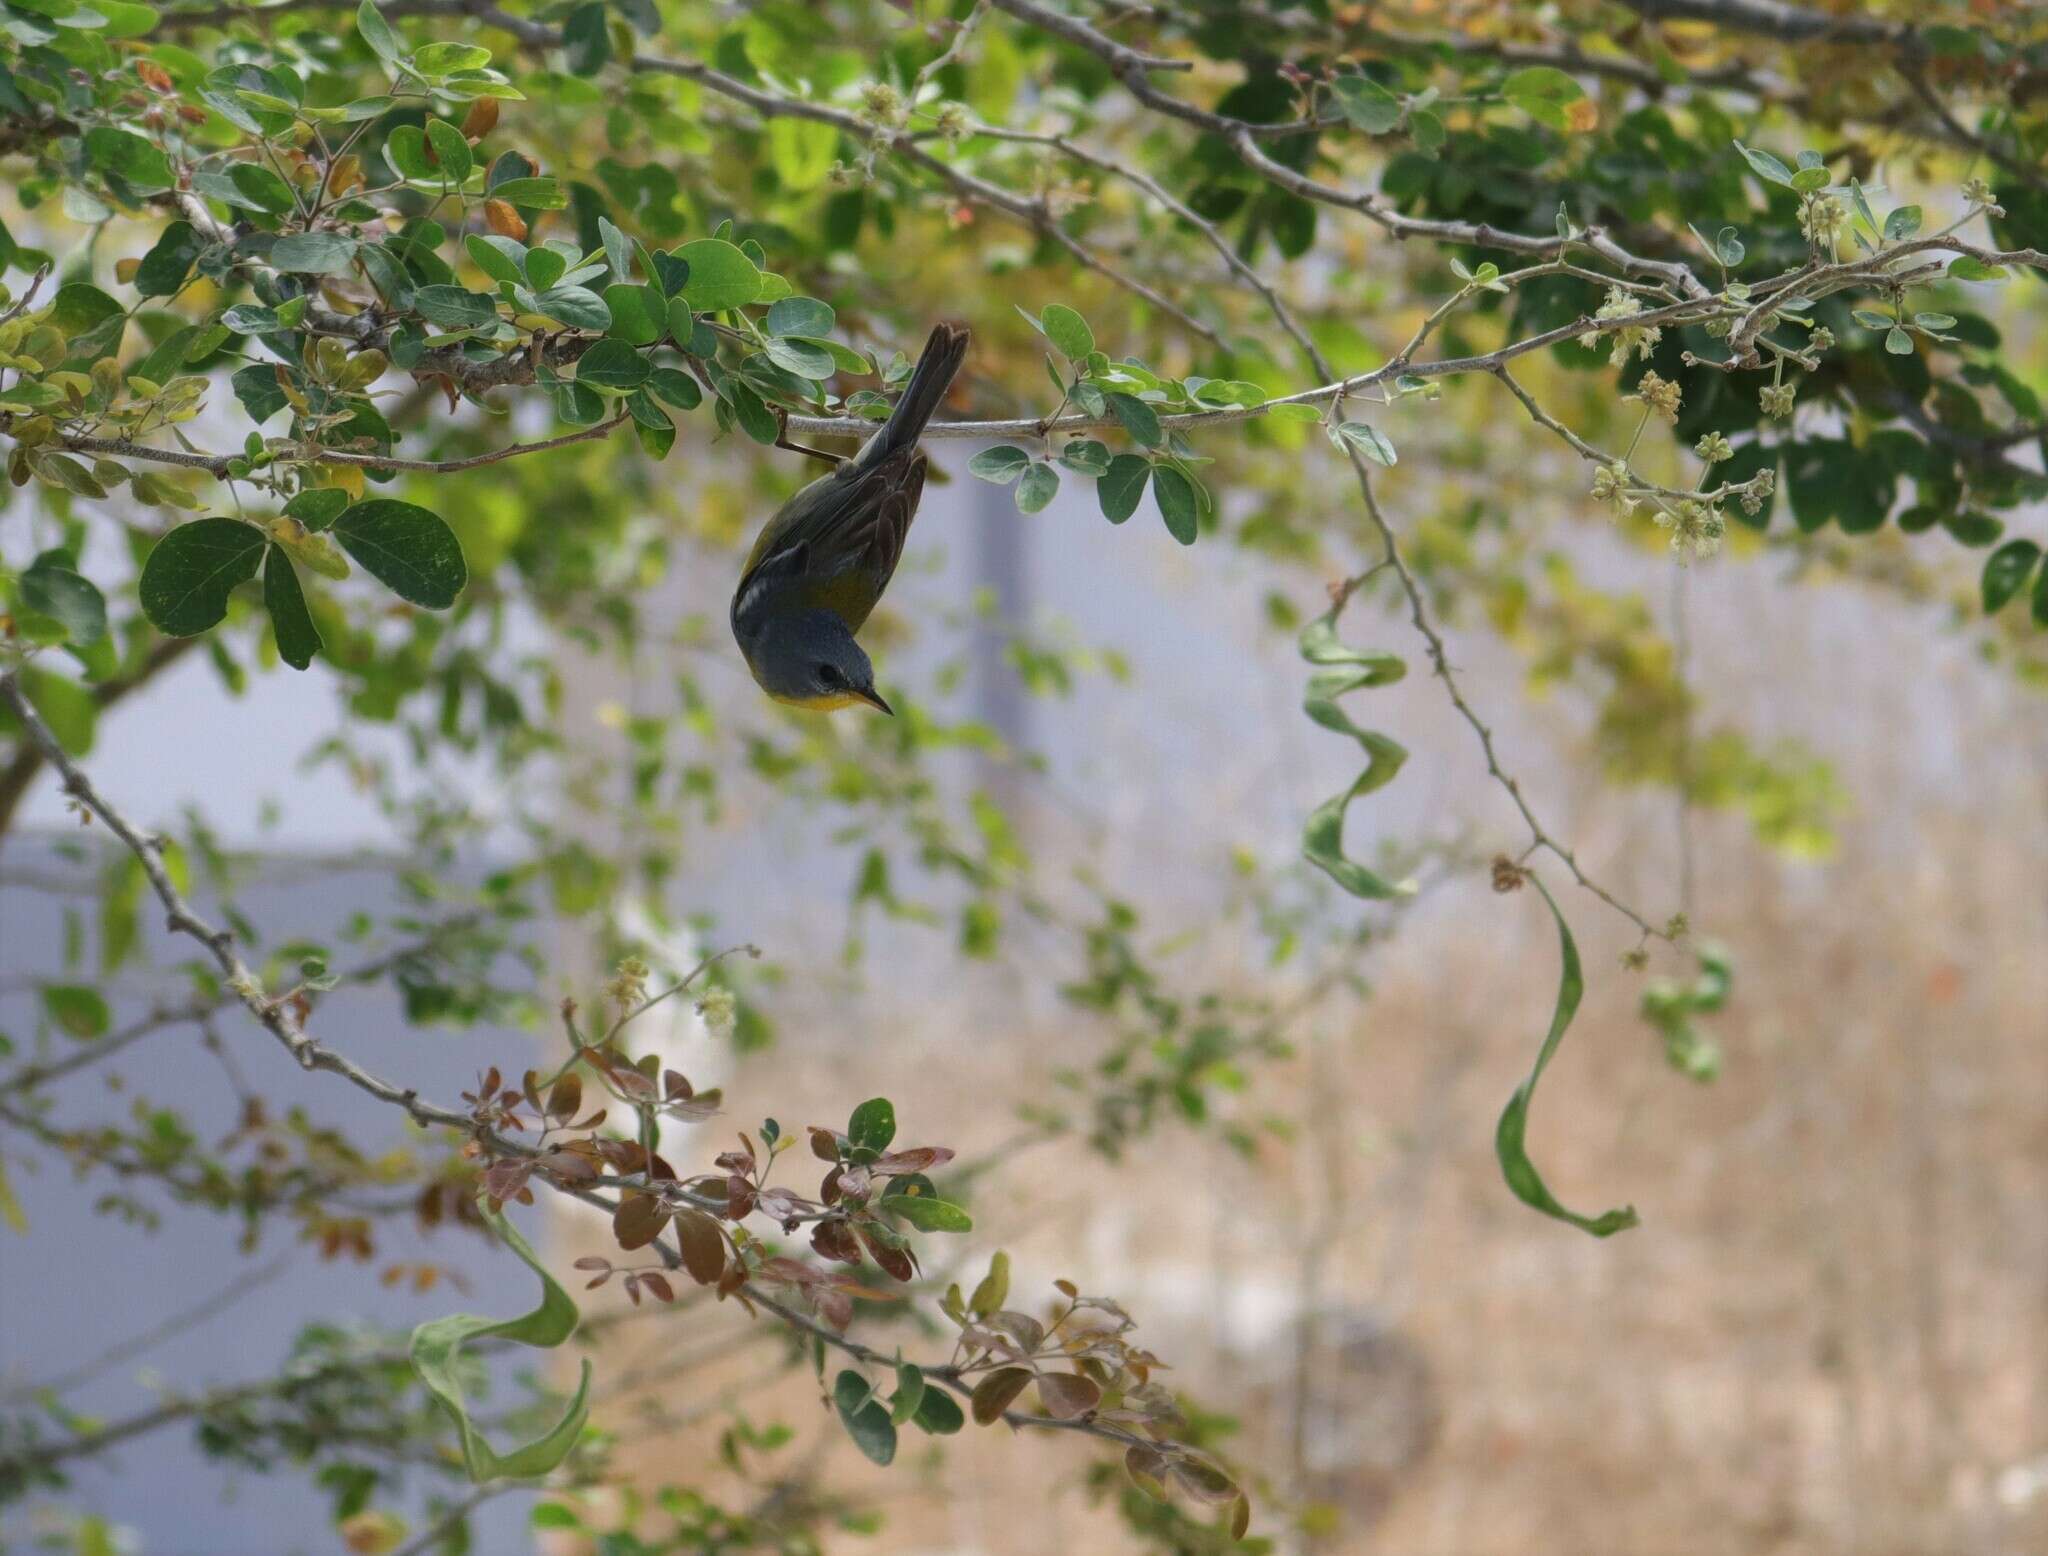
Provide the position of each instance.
(838, 542)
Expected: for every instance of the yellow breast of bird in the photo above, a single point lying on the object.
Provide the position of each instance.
(823, 704)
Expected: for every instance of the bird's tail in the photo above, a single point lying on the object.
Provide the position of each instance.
(929, 381)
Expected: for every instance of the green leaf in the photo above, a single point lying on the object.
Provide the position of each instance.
(1765, 165)
(618, 249)
(1035, 492)
(121, 18)
(190, 573)
(1509, 1137)
(1086, 456)
(383, 42)
(2040, 602)
(499, 258)
(164, 268)
(576, 306)
(586, 44)
(318, 507)
(1973, 526)
(70, 709)
(130, 158)
(1068, 332)
(2006, 572)
(721, 276)
(436, 1348)
(1343, 670)
(75, 1010)
(873, 1124)
(1369, 441)
(865, 1417)
(805, 358)
(753, 415)
(1810, 180)
(1001, 464)
(928, 1215)
(451, 151)
(910, 1387)
(409, 549)
(612, 364)
(1898, 342)
(1366, 104)
(262, 188)
(298, 640)
(1175, 495)
(456, 307)
(532, 194)
(313, 253)
(1293, 410)
(674, 387)
(639, 313)
(1544, 93)
(1902, 223)
(939, 1413)
(801, 316)
(445, 59)
(1964, 268)
(57, 590)
(1119, 488)
(1138, 418)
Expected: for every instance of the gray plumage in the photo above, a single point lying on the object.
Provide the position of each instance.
(821, 564)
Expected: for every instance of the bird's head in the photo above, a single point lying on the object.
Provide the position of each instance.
(811, 661)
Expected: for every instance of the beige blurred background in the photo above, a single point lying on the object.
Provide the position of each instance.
(1827, 1333)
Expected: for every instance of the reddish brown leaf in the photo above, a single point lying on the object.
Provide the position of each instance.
(739, 1198)
(835, 1307)
(638, 1220)
(916, 1159)
(824, 1144)
(154, 76)
(899, 1262)
(703, 1246)
(1147, 1468)
(790, 1272)
(835, 1240)
(565, 1097)
(481, 119)
(657, 1283)
(1067, 1397)
(997, 1392)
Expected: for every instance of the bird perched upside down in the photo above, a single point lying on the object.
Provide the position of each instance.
(823, 561)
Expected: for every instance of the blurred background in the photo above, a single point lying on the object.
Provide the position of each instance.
(1825, 1335)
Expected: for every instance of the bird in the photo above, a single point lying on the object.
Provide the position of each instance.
(823, 561)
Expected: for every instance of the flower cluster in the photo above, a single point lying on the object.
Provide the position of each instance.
(1820, 218)
(1696, 529)
(1610, 485)
(1637, 339)
(1777, 399)
(1713, 448)
(1660, 395)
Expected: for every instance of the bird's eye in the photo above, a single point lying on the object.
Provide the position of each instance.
(828, 675)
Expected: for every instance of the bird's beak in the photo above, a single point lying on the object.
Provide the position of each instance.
(874, 699)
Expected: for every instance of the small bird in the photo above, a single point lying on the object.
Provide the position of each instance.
(823, 561)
